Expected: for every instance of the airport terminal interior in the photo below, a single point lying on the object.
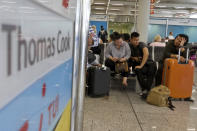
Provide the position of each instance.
(124, 109)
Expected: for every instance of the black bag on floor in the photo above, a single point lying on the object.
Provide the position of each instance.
(146, 74)
(98, 81)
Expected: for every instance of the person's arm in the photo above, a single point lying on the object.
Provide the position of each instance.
(134, 59)
(168, 52)
(99, 34)
(108, 52)
(127, 53)
(145, 57)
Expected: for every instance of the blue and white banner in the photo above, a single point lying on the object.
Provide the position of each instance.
(35, 65)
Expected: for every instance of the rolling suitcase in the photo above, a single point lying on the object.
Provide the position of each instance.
(178, 77)
(98, 81)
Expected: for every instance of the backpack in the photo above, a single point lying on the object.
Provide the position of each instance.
(159, 96)
(146, 74)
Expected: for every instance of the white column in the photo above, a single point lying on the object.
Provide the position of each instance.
(143, 19)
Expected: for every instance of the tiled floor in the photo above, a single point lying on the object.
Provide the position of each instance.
(124, 110)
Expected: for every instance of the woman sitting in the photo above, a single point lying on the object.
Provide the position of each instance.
(117, 51)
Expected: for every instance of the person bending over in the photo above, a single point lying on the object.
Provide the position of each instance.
(117, 51)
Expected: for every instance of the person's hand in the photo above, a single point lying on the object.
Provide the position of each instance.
(182, 41)
(114, 59)
(137, 59)
(182, 49)
(182, 59)
(138, 67)
(122, 59)
(99, 65)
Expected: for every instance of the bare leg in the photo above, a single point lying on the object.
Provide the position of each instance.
(124, 81)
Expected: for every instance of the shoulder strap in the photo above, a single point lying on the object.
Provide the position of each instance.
(170, 104)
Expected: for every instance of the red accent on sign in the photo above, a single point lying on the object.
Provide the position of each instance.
(53, 109)
(41, 119)
(152, 12)
(49, 109)
(65, 3)
(25, 126)
(43, 89)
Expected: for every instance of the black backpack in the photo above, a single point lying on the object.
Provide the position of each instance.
(146, 74)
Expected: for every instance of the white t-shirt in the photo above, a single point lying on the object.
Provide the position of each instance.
(171, 37)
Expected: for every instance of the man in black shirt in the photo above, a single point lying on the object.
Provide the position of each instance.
(144, 68)
(171, 51)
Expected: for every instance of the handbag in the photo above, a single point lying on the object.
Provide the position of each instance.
(160, 96)
(121, 67)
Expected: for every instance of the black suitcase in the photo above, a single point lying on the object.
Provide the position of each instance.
(98, 81)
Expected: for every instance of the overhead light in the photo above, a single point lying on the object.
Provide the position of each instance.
(111, 13)
(183, 12)
(117, 4)
(44, 1)
(4, 6)
(99, 3)
(8, 2)
(179, 7)
(193, 16)
(100, 13)
(165, 11)
(160, 6)
(99, 8)
(157, 1)
(28, 12)
(191, 129)
(26, 7)
(194, 108)
(114, 9)
(134, 10)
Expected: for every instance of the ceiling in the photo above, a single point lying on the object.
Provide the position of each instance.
(118, 10)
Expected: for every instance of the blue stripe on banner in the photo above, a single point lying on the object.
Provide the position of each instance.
(37, 107)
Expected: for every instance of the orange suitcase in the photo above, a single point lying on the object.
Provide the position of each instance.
(178, 78)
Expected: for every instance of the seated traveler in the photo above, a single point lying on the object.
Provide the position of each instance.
(126, 37)
(92, 59)
(157, 42)
(117, 51)
(171, 51)
(144, 68)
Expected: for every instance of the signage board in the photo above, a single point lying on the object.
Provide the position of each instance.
(35, 63)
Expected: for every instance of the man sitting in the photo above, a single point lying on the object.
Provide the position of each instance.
(171, 51)
(144, 68)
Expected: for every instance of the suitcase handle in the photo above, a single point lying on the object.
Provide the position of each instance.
(187, 55)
